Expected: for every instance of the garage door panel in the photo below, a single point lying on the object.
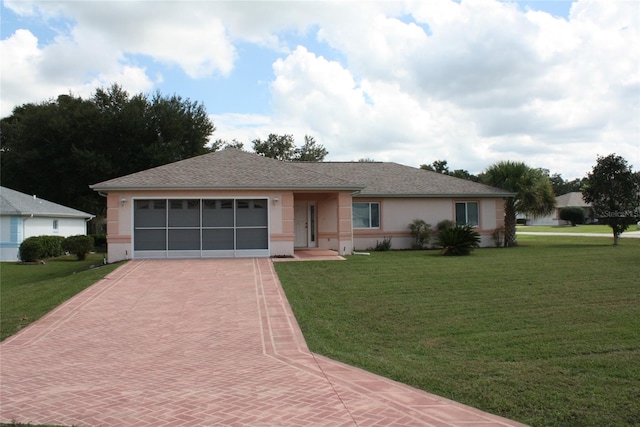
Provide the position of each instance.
(150, 213)
(184, 239)
(217, 239)
(252, 238)
(194, 228)
(150, 240)
(184, 213)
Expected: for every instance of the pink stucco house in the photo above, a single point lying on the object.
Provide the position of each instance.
(232, 203)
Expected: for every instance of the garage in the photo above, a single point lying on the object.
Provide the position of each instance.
(200, 228)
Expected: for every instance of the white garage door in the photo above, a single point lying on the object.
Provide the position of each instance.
(200, 228)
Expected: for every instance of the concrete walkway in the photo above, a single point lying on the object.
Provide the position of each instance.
(196, 343)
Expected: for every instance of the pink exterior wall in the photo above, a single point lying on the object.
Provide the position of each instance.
(397, 213)
(334, 218)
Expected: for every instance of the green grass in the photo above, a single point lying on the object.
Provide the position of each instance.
(590, 228)
(30, 291)
(547, 333)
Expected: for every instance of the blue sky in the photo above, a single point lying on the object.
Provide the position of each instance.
(551, 83)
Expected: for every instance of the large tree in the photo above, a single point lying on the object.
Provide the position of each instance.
(57, 148)
(533, 193)
(441, 166)
(613, 190)
(283, 147)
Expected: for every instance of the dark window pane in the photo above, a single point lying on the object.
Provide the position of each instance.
(252, 238)
(217, 239)
(184, 239)
(184, 213)
(461, 213)
(375, 215)
(217, 213)
(150, 240)
(150, 213)
(473, 215)
(253, 215)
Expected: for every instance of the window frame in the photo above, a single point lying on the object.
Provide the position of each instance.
(370, 216)
(466, 204)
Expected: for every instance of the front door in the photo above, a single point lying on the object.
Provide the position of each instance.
(304, 214)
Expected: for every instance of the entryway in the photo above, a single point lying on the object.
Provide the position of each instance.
(305, 224)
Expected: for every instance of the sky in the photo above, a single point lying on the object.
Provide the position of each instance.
(552, 83)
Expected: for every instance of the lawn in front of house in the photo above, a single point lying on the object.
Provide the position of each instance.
(29, 291)
(547, 333)
(581, 228)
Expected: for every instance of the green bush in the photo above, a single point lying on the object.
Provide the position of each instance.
(51, 246)
(573, 214)
(385, 245)
(39, 247)
(421, 233)
(498, 237)
(458, 240)
(79, 245)
(444, 224)
(31, 249)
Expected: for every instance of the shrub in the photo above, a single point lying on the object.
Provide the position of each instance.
(573, 214)
(39, 247)
(421, 232)
(498, 237)
(79, 245)
(51, 246)
(458, 240)
(31, 249)
(444, 224)
(385, 245)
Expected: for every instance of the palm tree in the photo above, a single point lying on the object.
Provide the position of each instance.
(534, 193)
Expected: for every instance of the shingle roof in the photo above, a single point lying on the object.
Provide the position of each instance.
(393, 179)
(236, 169)
(16, 203)
(571, 199)
(227, 169)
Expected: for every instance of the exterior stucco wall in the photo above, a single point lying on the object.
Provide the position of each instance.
(397, 213)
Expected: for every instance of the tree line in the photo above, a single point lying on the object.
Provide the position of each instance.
(57, 148)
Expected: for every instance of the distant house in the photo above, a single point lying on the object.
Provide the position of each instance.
(566, 200)
(232, 203)
(23, 216)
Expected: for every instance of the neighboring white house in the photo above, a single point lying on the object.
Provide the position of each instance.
(23, 216)
(573, 199)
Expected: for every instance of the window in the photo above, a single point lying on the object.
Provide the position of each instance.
(467, 214)
(366, 215)
(55, 225)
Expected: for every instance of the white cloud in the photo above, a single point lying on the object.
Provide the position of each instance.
(472, 82)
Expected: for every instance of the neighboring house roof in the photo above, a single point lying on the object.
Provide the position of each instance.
(236, 169)
(16, 203)
(571, 199)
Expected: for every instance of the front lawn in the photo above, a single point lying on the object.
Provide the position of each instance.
(30, 291)
(547, 333)
(589, 228)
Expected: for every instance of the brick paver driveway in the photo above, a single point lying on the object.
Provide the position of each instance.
(196, 343)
